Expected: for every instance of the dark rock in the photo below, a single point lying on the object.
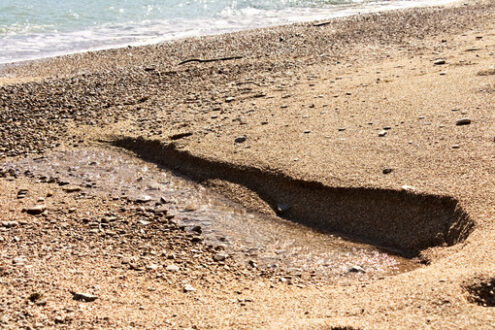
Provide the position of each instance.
(180, 136)
(37, 209)
(240, 139)
(463, 121)
(387, 170)
(281, 208)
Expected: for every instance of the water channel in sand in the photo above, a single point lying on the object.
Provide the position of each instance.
(269, 241)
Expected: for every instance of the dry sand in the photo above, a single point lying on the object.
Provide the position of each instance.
(352, 122)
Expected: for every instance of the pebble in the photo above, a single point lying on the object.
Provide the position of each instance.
(37, 209)
(81, 296)
(387, 170)
(341, 129)
(9, 224)
(180, 136)
(19, 261)
(172, 268)
(188, 288)
(240, 139)
(152, 267)
(72, 189)
(143, 199)
(382, 133)
(220, 256)
(439, 61)
(356, 269)
(307, 131)
(463, 121)
(229, 99)
(456, 146)
(281, 208)
(196, 239)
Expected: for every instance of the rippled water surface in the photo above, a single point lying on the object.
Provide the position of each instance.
(41, 28)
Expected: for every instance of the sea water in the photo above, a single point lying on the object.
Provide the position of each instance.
(32, 29)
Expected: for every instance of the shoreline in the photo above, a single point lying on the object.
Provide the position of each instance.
(378, 125)
(338, 15)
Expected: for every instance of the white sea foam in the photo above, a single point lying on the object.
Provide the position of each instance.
(30, 41)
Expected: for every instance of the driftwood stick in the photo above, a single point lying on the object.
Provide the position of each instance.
(322, 23)
(199, 60)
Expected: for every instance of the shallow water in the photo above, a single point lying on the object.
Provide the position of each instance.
(270, 242)
(42, 28)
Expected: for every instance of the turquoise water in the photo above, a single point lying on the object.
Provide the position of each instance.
(41, 28)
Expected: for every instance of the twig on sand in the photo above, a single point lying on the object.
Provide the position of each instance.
(322, 23)
(199, 60)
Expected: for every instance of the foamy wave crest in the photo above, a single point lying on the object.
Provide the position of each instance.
(24, 41)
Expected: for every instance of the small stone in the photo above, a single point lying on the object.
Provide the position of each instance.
(144, 222)
(35, 296)
(188, 288)
(386, 128)
(356, 269)
(161, 211)
(463, 121)
(220, 256)
(387, 170)
(179, 136)
(143, 199)
(37, 209)
(22, 191)
(9, 224)
(439, 61)
(197, 229)
(307, 131)
(229, 99)
(240, 139)
(72, 189)
(81, 296)
(281, 208)
(341, 129)
(19, 261)
(456, 146)
(196, 239)
(152, 267)
(382, 133)
(172, 268)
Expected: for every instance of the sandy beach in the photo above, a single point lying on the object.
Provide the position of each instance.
(377, 129)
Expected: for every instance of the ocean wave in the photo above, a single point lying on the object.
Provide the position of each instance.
(29, 41)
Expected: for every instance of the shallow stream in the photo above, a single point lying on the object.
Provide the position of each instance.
(268, 241)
